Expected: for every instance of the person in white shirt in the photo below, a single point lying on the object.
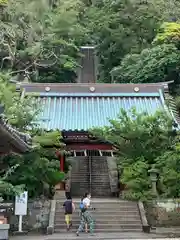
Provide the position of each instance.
(86, 215)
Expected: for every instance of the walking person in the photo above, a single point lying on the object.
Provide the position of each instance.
(69, 208)
(82, 216)
(86, 215)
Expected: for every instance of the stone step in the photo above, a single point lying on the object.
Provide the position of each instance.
(100, 217)
(116, 227)
(111, 212)
(102, 166)
(112, 230)
(99, 178)
(101, 173)
(95, 184)
(104, 205)
(103, 201)
(102, 170)
(103, 188)
(100, 185)
(81, 171)
(101, 194)
(107, 200)
(80, 180)
(85, 183)
(82, 176)
(76, 187)
(99, 222)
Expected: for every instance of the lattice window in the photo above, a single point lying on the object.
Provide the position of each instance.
(85, 153)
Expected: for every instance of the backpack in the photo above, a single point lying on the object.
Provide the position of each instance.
(81, 206)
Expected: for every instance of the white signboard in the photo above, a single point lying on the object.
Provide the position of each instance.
(21, 204)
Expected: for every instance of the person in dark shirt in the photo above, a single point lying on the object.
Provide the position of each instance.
(69, 208)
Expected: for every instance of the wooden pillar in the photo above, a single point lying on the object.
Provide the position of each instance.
(61, 161)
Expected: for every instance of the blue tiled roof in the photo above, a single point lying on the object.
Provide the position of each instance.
(80, 112)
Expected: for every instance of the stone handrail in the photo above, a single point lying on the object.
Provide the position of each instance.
(113, 174)
(50, 228)
(145, 225)
(69, 176)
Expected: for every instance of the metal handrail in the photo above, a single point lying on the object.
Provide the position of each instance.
(90, 173)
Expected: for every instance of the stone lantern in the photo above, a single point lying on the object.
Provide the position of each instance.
(154, 177)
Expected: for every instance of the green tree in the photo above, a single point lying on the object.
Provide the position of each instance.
(7, 188)
(138, 134)
(38, 40)
(124, 27)
(169, 33)
(38, 170)
(136, 179)
(157, 64)
(169, 171)
(139, 140)
(19, 112)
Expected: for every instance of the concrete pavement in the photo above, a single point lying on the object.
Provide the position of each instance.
(98, 236)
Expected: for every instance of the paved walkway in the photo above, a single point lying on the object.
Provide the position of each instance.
(98, 236)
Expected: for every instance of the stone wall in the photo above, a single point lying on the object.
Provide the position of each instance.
(164, 213)
(37, 217)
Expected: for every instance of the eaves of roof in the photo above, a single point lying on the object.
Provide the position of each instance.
(17, 142)
(91, 88)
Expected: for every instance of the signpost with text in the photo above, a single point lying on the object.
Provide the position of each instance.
(21, 207)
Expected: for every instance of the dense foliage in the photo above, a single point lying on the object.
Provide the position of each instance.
(40, 40)
(136, 41)
(18, 112)
(158, 63)
(36, 171)
(142, 142)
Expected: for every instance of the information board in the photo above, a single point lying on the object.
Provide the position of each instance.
(21, 204)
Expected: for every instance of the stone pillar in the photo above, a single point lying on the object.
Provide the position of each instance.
(113, 173)
(153, 176)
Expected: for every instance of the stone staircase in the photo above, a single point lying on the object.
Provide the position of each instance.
(172, 106)
(79, 176)
(110, 215)
(100, 184)
(90, 174)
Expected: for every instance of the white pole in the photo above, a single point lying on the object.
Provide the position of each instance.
(20, 223)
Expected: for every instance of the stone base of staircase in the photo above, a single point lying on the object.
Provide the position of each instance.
(110, 215)
(60, 194)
